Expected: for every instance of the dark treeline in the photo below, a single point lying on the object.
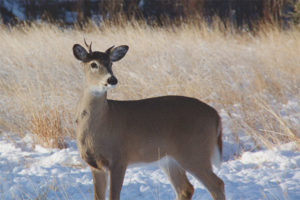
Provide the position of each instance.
(237, 12)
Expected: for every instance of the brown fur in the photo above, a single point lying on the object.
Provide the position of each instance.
(114, 134)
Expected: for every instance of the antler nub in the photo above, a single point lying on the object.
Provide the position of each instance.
(88, 46)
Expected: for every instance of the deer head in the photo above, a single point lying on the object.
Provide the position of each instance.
(98, 65)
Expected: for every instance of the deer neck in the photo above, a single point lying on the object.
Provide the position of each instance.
(95, 101)
(91, 111)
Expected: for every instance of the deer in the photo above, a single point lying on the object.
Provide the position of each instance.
(112, 135)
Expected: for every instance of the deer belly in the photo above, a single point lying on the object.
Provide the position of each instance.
(157, 163)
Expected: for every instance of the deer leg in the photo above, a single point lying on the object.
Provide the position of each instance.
(117, 173)
(177, 176)
(211, 181)
(100, 180)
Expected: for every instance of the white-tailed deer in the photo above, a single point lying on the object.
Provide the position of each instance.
(112, 135)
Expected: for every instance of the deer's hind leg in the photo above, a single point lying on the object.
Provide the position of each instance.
(210, 180)
(177, 176)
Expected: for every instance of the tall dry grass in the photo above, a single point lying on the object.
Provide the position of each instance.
(252, 78)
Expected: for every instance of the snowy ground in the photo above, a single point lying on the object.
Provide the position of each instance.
(39, 173)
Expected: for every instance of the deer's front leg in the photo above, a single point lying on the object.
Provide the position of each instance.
(117, 173)
(100, 182)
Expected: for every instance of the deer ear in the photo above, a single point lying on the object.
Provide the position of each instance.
(117, 53)
(80, 53)
(108, 51)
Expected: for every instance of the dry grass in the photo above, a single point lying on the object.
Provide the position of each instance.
(48, 125)
(252, 78)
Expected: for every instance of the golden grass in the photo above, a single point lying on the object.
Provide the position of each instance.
(250, 77)
(48, 125)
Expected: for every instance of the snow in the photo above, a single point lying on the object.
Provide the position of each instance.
(273, 173)
(28, 172)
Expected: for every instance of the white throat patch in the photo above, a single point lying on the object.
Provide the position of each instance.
(99, 91)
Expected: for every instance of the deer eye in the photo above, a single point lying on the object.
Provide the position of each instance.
(94, 65)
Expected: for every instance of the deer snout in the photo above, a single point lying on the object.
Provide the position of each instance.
(112, 80)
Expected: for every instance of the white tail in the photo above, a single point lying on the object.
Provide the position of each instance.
(114, 134)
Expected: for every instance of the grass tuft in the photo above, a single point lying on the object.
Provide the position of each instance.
(47, 125)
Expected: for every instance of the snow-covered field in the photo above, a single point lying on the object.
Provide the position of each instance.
(30, 171)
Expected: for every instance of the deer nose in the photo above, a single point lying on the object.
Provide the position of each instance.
(112, 80)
